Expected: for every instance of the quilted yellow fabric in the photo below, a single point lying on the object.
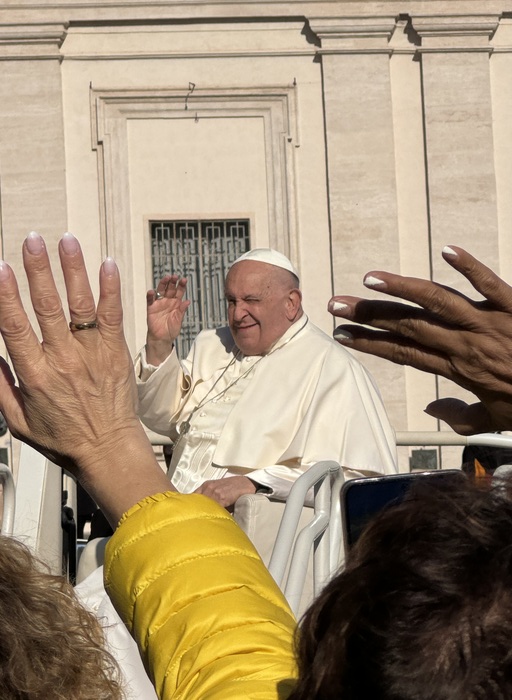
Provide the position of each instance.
(209, 619)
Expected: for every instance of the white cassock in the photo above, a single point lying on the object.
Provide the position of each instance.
(268, 417)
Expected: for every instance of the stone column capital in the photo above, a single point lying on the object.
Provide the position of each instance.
(390, 34)
(31, 41)
(455, 32)
(353, 34)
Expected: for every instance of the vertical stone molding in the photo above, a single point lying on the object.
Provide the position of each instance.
(459, 133)
(32, 156)
(501, 94)
(413, 225)
(411, 178)
(458, 124)
(359, 119)
(359, 128)
(31, 134)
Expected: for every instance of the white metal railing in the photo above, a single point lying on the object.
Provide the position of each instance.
(324, 533)
(39, 484)
(326, 478)
(444, 438)
(412, 438)
(9, 499)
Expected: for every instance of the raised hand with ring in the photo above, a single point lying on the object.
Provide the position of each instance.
(76, 398)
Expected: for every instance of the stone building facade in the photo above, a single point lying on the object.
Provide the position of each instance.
(352, 135)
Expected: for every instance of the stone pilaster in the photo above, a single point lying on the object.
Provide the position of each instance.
(500, 65)
(355, 55)
(459, 134)
(32, 165)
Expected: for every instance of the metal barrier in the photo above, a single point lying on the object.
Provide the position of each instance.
(9, 499)
(37, 517)
(324, 532)
(445, 438)
(317, 533)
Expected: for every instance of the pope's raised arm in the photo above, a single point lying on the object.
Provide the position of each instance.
(166, 310)
(447, 333)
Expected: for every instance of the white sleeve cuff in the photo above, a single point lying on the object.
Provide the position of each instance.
(143, 369)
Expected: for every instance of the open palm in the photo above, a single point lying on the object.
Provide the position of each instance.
(166, 309)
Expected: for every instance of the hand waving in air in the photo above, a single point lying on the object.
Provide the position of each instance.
(75, 397)
(165, 312)
(447, 333)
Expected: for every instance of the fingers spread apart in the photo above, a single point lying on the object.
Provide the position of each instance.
(482, 278)
(395, 348)
(20, 340)
(404, 321)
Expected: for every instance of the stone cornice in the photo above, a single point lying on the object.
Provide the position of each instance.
(456, 33)
(31, 41)
(386, 34)
(456, 25)
(28, 11)
(353, 34)
(404, 34)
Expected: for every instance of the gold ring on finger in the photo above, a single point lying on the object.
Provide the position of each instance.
(88, 325)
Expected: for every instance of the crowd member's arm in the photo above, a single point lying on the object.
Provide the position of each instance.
(206, 596)
(469, 342)
(75, 402)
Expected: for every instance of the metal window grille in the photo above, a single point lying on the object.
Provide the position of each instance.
(202, 251)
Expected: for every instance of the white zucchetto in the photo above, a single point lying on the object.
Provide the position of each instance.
(269, 256)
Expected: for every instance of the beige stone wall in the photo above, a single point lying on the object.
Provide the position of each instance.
(418, 136)
(354, 135)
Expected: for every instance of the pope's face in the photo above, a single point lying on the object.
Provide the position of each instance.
(260, 309)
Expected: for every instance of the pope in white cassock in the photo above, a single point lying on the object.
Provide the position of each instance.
(254, 404)
(250, 408)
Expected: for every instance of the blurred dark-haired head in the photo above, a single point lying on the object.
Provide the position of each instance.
(423, 608)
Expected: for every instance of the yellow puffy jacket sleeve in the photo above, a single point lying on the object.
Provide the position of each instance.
(209, 619)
